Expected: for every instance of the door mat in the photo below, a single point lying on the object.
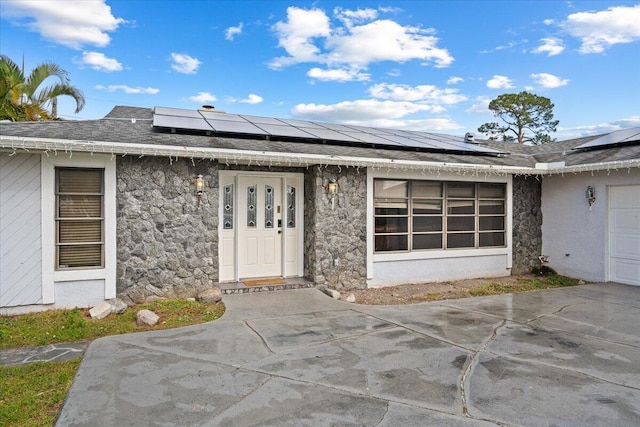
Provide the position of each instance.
(263, 282)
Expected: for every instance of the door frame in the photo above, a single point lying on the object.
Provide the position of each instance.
(229, 272)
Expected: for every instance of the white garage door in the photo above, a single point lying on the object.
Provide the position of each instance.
(624, 234)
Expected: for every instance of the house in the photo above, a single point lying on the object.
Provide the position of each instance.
(167, 202)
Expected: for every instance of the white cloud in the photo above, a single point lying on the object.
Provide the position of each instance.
(98, 61)
(359, 110)
(385, 114)
(203, 97)
(184, 63)
(231, 32)
(69, 23)
(338, 75)
(454, 80)
(602, 128)
(394, 73)
(307, 36)
(500, 82)
(548, 22)
(251, 99)
(600, 30)
(351, 17)
(129, 89)
(550, 45)
(480, 106)
(549, 81)
(386, 40)
(420, 93)
(297, 33)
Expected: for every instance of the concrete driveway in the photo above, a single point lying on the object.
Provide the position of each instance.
(560, 357)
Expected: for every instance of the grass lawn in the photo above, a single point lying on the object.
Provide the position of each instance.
(32, 395)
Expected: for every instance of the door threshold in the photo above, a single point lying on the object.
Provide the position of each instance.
(241, 288)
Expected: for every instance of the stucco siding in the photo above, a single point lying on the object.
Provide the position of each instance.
(20, 231)
(574, 238)
(437, 270)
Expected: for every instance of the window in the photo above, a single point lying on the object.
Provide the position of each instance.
(79, 218)
(422, 215)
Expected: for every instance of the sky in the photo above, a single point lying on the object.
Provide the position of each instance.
(419, 65)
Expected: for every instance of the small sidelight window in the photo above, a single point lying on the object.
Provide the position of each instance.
(79, 218)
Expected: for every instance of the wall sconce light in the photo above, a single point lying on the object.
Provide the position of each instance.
(198, 185)
(590, 194)
(332, 189)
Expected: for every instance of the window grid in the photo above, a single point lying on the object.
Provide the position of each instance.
(447, 215)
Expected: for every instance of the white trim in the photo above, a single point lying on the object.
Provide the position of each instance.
(52, 145)
(49, 274)
(224, 175)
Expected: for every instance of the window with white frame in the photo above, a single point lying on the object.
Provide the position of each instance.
(416, 215)
(79, 218)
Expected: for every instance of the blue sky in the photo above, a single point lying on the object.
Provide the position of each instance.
(421, 65)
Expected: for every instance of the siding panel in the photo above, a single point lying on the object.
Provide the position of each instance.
(20, 231)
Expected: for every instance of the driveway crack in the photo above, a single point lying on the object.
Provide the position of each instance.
(554, 313)
(264, 342)
(472, 362)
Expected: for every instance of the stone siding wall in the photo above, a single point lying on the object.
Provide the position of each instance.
(336, 239)
(527, 223)
(167, 241)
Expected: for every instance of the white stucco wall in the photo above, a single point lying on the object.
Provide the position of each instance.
(438, 270)
(573, 237)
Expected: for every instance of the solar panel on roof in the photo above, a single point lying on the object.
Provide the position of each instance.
(301, 123)
(176, 112)
(181, 122)
(370, 138)
(235, 127)
(262, 120)
(283, 130)
(328, 134)
(337, 127)
(221, 116)
(618, 137)
(209, 120)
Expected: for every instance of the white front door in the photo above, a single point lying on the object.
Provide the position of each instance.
(624, 234)
(260, 214)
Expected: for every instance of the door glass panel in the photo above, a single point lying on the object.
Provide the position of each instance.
(251, 205)
(291, 206)
(268, 206)
(227, 215)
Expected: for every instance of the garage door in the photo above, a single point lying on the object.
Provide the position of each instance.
(624, 234)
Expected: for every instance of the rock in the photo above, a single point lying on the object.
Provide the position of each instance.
(118, 306)
(191, 299)
(350, 298)
(332, 293)
(146, 318)
(101, 310)
(581, 282)
(210, 295)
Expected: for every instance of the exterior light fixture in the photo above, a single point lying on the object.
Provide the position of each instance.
(590, 194)
(332, 189)
(198, 184)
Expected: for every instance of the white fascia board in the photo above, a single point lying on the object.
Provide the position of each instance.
(265, 158)
(550, 166)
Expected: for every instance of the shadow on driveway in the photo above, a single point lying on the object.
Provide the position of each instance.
(567, 356)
